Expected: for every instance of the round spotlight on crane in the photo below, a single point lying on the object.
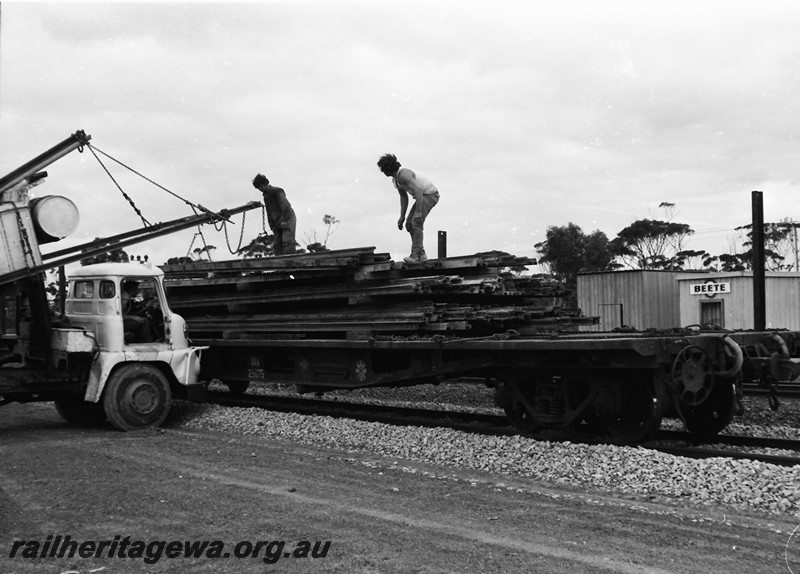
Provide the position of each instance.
(54, 217)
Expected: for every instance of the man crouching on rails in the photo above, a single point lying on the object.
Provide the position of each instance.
(425, 197)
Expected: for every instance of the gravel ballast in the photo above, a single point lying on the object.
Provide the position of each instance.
(629, 471)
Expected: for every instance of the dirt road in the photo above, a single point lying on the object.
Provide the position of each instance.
(283, 503)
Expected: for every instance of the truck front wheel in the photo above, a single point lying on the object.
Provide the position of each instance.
(137, 396)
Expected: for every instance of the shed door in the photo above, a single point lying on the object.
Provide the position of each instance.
(711, 313)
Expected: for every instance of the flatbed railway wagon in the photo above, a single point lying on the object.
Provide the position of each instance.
(352, 319)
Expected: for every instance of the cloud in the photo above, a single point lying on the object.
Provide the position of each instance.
(524, 115)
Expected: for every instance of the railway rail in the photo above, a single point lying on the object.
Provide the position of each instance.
(372, 412)
(677, 443)
(783, 389)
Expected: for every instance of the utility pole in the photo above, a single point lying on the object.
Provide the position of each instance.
(759, 298)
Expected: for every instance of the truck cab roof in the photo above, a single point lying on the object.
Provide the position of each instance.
(117, 270)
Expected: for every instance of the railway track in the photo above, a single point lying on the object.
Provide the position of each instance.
(786, 389)
(671, 442)
(373, 412)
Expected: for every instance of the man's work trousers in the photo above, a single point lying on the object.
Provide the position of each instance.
(416, 228)
(284, 242)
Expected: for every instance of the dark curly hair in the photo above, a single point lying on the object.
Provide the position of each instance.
(388, 162)
(260, 180)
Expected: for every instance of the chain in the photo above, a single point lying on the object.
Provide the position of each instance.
(189, 251)
(93, 148)
(27, 248)
(202, 238)
(241, 235)
(125, 195)
(222, 225)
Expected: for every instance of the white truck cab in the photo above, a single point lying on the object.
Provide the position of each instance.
(143, 355)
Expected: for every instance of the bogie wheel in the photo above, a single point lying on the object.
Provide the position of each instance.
(79, 412)
(631, 408)
(589, 423)
(692, 375)
(237, 388)
(137, 396)
(714, 414)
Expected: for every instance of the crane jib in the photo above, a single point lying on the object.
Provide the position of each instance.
(29, 169)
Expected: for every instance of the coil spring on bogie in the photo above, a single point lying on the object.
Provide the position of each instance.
(553, 405)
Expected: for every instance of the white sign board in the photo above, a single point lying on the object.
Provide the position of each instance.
(709, 288)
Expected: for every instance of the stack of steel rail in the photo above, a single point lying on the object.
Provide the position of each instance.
(357, 293)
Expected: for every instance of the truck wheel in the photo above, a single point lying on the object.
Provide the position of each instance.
(137, 396)
(76, 411)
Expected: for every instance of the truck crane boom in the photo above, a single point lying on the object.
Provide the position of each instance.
(37, 164)
(78, 252)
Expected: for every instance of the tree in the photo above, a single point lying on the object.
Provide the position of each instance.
(690, 259)
(729, 261)
(111, 256)
(179, 260)
(312, 244)
(677, 240)
(205, 250)
(316, 247)
(53, 291)
(651, 244)
(777, 244)
(567, 251)
(597, 253)
(259, 247)
(778, 241)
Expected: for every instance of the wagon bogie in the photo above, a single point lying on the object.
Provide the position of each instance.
(623, 388)
(534, 402)
(626, 405)
(631, 406)
(513, 397)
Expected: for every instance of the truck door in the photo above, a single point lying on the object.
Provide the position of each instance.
(142, 315)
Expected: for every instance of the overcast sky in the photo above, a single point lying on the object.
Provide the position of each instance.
(524, 114)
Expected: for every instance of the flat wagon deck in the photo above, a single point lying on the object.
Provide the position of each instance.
(356, 319)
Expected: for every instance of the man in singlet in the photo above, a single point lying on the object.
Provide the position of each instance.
(425, 194)
(280, 216)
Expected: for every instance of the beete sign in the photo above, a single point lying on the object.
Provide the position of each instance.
(709, 288)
